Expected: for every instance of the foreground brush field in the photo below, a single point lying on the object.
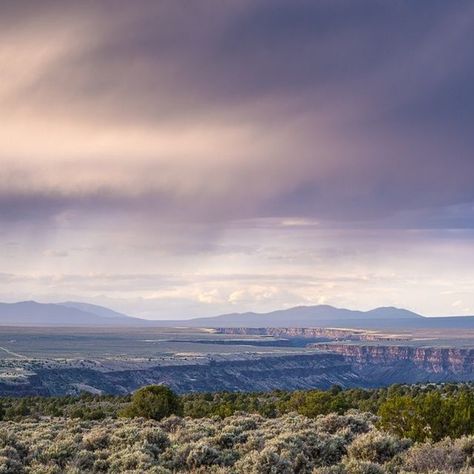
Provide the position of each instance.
(241, 443)
(401, 429)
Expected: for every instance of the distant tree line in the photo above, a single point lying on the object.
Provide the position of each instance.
(419, 412)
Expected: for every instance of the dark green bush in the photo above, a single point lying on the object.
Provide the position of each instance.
(153, 402)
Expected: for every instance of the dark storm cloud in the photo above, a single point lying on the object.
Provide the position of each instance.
(168, 53)
(373, 100)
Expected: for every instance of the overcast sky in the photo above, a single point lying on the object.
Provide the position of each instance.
(183, 158)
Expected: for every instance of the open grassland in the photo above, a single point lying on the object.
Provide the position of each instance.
(109, 343)
(106, 343)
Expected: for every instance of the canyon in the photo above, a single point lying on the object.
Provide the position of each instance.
(62, 361)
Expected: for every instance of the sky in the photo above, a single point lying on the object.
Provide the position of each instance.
(172, 159)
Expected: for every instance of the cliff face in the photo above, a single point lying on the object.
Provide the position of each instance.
(289, 372)
(332, 333)
(294, 332)
(437, 360)
(348, 365)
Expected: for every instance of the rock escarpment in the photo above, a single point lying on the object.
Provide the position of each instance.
(435, 360)
(347, 365)
(314, 332)
(290, 372)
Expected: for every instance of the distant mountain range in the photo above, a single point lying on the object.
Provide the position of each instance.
(96, 310)
(329, 316)
(31, 313)
(304, 316)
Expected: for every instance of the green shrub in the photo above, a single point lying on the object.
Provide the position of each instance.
(446, 456)
(154, 402)
(377, 447)
(355, 466)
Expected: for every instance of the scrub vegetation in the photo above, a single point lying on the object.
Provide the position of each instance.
(400, 429)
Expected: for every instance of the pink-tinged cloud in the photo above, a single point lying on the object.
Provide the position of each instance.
(172, 126)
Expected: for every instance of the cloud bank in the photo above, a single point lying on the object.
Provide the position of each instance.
(177, 128)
